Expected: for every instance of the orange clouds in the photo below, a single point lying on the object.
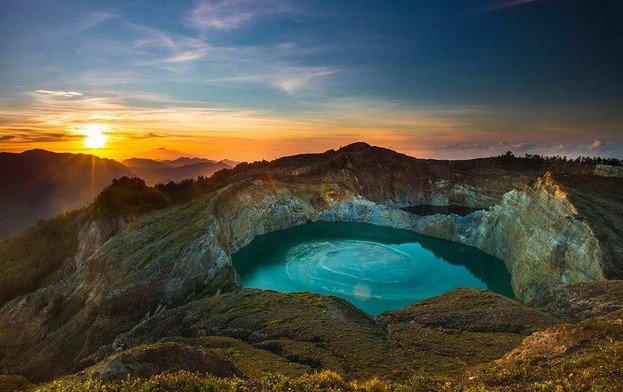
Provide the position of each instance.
(56, 119)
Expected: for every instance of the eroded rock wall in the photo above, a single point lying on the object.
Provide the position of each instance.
(537, 232)
(608, 171)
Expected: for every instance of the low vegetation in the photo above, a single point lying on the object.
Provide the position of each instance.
(185, 190)
(597, 369)
(128, 197)
(32, 258)
(594, 369)
(186, 381)
(557, 158)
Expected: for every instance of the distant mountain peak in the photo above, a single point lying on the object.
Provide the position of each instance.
(229, 162)
(161, 154)
(354, 147)
(183, 161)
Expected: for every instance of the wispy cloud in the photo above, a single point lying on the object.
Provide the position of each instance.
(491, 147)
(184, 57)
(301, 78)
(95, 18)
(141, 136)
(501, 4)
(535, 147)
(38, 136)
(599, 145)
(165, 48)
(60, 93)
(281, 76)
(185, 51)
(231, 14)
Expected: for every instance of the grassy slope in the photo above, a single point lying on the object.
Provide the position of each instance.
(595, 368)
(32, 258)
(327, 333)
(568, 357)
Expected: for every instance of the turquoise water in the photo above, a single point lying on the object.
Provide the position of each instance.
(375, 268)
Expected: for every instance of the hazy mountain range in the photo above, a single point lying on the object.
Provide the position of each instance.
(39, 184)
(153, 171)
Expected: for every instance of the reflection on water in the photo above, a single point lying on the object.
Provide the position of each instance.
(376, 268)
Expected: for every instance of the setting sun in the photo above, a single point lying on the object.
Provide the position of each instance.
(94, 138)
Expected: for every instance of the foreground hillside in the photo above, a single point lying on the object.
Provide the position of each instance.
(142, 282)
(265, 341)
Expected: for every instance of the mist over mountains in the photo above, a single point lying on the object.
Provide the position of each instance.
(176, 170)
(39, 184)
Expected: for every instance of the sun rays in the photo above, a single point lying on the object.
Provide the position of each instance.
(94, 136)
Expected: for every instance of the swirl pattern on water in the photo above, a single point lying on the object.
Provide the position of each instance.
(365, 270)
(375, 268)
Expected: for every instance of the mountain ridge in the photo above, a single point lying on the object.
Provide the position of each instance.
(165, 272)
(39, 184)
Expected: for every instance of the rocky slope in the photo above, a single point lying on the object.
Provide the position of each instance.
(138, 278)
(582, 301)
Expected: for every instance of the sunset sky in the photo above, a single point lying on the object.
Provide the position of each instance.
(248, 80)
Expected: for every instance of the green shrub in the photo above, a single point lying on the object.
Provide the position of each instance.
(184, 381)
(32, 258)
(128, 197)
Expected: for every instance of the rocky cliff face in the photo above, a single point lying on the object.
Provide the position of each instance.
(536, 231)
(125, 274)
(608, 171)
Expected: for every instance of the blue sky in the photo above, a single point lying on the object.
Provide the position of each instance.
(259, 79)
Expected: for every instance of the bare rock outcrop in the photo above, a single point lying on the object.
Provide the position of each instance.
(536, 231)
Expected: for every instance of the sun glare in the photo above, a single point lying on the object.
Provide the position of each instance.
(93, 136)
